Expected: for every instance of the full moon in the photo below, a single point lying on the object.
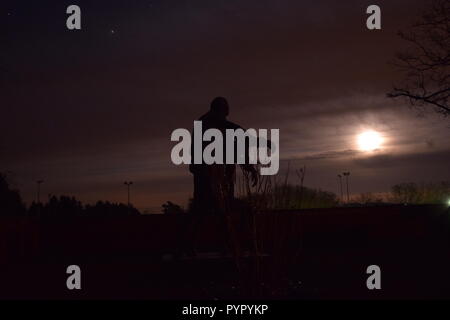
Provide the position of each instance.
(369, 141)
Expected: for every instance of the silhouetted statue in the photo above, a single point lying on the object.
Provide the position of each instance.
(214, 183)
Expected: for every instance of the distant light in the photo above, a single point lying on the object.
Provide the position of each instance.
(369, 141)
(448, 202)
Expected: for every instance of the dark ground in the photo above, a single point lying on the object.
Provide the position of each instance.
(308, 254)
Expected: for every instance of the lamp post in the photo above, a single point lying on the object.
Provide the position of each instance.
(346, 174)
(128, 184)
(340, 184)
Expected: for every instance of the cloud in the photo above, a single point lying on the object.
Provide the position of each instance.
(331, 155)
(422, 160)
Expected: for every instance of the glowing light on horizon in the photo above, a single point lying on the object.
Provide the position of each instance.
(369, 141)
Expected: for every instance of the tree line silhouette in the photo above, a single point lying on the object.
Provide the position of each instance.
(11, 204)
(281, 196)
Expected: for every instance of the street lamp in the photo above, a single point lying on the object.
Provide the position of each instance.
(340, 183)
(128, 184)
(346, 174)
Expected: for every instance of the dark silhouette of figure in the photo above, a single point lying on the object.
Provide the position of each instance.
(214, 187)
(214, 183)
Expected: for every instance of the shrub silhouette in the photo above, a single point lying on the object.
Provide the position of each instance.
(425, 193)
(172, 208)
(10, 200)
(65, 206)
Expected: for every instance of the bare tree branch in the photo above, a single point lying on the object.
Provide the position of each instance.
(426, 62)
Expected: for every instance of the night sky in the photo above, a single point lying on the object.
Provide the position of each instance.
(86, 110)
